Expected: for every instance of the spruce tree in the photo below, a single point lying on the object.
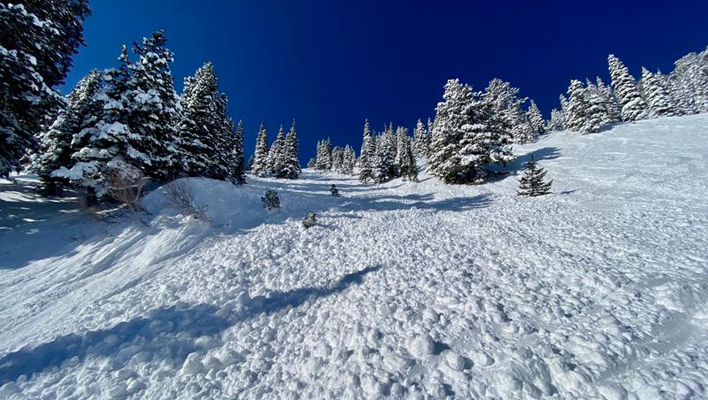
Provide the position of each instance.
(368, 149)
(276, 155)
(658, 99)
(506, 103)
(153, 102)
(596, 113)
(536, 121)
(236, 159)
(401, 139)
(575, 111)
(311, 163)
(198, 144)
(556, 122)
(420, 140)
(260, 156)
(291, 165)
(37, 41)
(532, 182)
(337, 158)
(55, 146)
(385, 167)
(450, 117)
(324, 155)
(408, 167)
(633, 106)
(614, 110)
(349, 160)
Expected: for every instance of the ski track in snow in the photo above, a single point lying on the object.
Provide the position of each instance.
(402, 290)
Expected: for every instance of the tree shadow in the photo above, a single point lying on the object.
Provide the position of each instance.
(545, 153)
(277, 300)
(167, 333)
(419, 201)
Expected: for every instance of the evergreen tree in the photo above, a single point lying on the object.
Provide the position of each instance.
(276, 155)
(152, 100)
(597, 115)
(657, 98)
(556, 122)
(324, 155)
(408, 167)
(633, 106)
(506, 102)
(536, 121)
(236, 159)
(311, 163)
(614, 110)
(349, 160)
(688, 83)
(420, 140)
(337, 158)
(575, 111)
(199, 141)
(291, 165)
(55, 147)
(366, 156)
(260, 157)
(384, 167)
(38, 40)
(251, 160)
(401, 139)
(532, 183)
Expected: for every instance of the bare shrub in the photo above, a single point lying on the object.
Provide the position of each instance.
(180, 197)
(125, 186)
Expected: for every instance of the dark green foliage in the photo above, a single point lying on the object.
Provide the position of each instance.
(532, 182)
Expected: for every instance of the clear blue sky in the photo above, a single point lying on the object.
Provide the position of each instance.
(331, 64)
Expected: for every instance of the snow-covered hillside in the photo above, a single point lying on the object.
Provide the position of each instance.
(403, 290)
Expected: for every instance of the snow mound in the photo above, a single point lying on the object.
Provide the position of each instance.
(402, 290)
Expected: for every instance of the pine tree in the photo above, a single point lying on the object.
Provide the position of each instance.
(610, 103)
(368, 149)
(532, 182)
(276, 155)
(311, 163)
(236, 159)
(597, 115)
(688, 83)
(506, 102)
(384, 167)
(198, 143)
(349, 160)
(633, 106)
(55, 145)
(420, 140)
(401, 139)
(575, 111)
(556, 123)
(408, 167)
(249, 164)
(291, 165)
(324, 155)
(260, 157)
(38, 40)
(656, 96)
(152, 100)
(337, 158)
(533, 115)
(450, 117)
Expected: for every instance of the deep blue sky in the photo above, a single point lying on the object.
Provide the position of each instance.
(331, 64)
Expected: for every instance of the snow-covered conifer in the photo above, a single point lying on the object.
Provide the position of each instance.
(37, 41)
(236, 159)
(658, 99)
(533, 115)
(556, 121)
(324, 155)
(368, 149)
(312, 163)
(633, 106)
(575, 111)
(408, 167)
(348, 160)
(420, 140)
(260, 156)
(385, 166)
(55, 148)
(506, 102)
(596, 112)
(337, 158)
(276, 155)
(291, 165)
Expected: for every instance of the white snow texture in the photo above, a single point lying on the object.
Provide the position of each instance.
(402, 290)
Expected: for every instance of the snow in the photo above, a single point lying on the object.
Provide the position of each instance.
(402, 290)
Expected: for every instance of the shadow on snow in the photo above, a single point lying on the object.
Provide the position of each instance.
(166, 333)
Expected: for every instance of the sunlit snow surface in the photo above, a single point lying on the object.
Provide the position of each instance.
(404, 290)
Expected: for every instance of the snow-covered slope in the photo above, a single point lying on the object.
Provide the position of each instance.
(403, 290)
